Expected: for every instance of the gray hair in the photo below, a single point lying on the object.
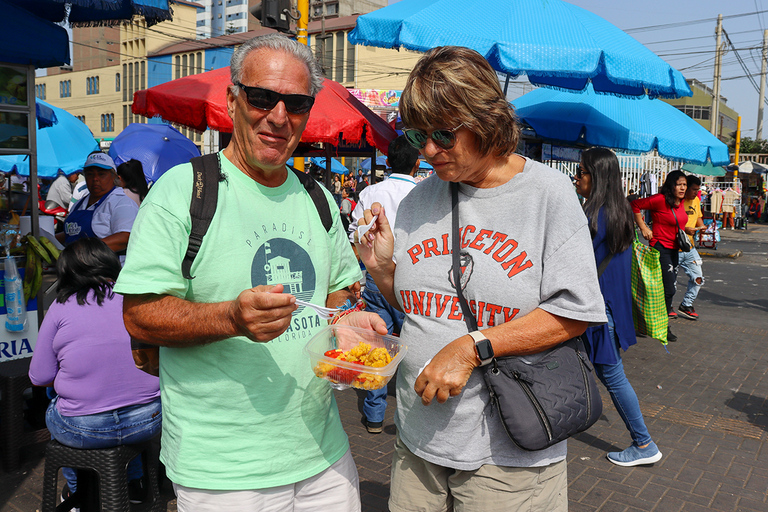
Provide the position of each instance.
(281, 43)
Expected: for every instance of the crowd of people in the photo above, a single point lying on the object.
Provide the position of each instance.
(244, 422)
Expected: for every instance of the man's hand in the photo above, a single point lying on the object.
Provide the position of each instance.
(448, 372)
(263, 313)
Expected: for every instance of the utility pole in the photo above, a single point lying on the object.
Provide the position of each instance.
(759, 134)
(714, 117)
(301, 36)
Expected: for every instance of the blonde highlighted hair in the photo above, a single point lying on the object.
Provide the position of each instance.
(452, 86)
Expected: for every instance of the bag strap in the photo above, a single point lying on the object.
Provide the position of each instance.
(206, 175)
(469, 318)
(604, 265)
(318, 197)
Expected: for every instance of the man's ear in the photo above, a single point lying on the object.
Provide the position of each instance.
(231, 99)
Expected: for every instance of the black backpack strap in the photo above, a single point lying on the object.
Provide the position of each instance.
(206, 175)
(318, 197)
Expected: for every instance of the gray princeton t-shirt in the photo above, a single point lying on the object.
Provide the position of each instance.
(530, 248)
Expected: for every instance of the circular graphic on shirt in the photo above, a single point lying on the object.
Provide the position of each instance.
(282, 261)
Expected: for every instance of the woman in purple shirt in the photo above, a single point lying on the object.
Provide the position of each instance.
(84, 352)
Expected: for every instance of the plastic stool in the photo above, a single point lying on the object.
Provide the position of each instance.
(107, 481)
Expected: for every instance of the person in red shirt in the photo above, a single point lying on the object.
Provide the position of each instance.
(667, 213)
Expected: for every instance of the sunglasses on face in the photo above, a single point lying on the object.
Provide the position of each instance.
(580, 172)
(445, 139)
(266, 99)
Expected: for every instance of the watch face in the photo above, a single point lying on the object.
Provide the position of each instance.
(484, 350)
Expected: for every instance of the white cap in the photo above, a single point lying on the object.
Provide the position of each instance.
(102, 160)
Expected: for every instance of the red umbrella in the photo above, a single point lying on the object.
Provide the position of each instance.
(200, 102)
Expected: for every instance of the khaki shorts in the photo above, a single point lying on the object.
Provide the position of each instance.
(418, 485)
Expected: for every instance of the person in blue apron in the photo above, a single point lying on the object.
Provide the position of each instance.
(105, 212)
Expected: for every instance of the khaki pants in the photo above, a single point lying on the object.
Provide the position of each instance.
(420, 486)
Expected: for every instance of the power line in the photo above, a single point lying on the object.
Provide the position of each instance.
(691, 22)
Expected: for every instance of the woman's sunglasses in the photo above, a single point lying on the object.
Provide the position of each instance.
(580, 172)
(265, 99)
(445, 139)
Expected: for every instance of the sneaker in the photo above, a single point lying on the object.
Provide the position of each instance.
(688, 312)
(374, 427)
(137, 493)
(634, 456)
(65, 495)
(670, 335)
(672, 314)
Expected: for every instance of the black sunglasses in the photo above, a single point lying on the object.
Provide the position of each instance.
(580, 172)
(445, 139)
(265, 99)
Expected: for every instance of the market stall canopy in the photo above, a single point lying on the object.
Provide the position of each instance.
(638, 125)
(705, 170)
(749, 166)
(200, 102)
(381, 162)
(98, 12)
(62, 147)
(30, 40)
(553, 42)
(336, 166)
(157, 146)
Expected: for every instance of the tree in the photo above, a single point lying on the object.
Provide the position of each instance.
(750, 145)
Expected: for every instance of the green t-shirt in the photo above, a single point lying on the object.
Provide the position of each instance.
(239, 414)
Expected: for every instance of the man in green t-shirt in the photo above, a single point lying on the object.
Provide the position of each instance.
(246, 424)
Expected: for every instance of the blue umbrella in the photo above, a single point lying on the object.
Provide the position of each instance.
(423, 164)
(638, 125)
(335, 164)
(553, 42)
(157, 146)
(63, 146)
(98, 12)
(381, 162)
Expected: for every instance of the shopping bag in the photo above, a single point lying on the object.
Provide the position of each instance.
(649, 309)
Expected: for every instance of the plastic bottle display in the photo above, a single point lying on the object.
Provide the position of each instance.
(16, 317)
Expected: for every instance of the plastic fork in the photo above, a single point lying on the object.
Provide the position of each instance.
(324, 313)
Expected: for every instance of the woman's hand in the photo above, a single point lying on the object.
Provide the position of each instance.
(692, 230)
(646, 232)
(448, 372)
(378, 244)
(370, 321)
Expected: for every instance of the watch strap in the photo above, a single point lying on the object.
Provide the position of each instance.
(479, 337)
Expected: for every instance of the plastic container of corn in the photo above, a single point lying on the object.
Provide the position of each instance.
(353, 357)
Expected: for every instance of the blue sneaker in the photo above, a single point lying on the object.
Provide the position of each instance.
(634, 456)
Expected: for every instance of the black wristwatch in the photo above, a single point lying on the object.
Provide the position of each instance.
(483, 347)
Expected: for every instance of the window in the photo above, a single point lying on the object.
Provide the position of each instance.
(65, 88)
(81, 118)
(125, 89)
(40, 91)
(117, 82)
(107, 122)
(92, 85)
(351, 63)
(339, 74)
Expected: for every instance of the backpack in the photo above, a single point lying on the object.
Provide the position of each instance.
(206, 176)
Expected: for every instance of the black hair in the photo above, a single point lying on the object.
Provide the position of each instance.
(692, 179)
(402, 156)
(668, 188)
(87, 264)
(608, 195)
(132, 174)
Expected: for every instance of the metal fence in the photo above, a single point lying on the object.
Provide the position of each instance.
(633, 167)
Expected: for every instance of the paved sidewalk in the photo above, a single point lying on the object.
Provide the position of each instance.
(705, 401)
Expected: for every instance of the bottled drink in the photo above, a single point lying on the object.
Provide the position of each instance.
(16, 306)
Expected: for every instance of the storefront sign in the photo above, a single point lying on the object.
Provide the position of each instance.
(377, 97)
